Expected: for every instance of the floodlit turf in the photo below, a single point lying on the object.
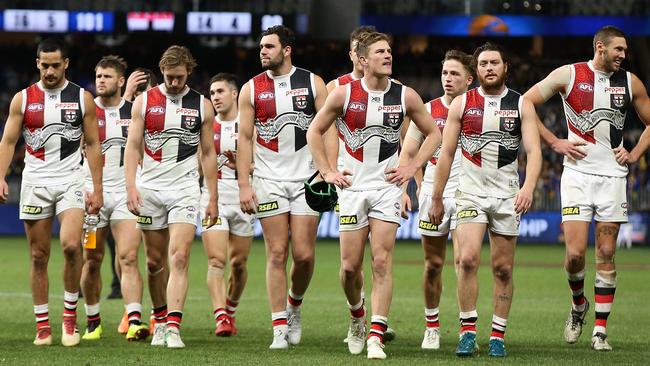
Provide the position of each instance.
(534, 335)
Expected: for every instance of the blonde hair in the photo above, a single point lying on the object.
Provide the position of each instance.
(177, 56)
(368, 39)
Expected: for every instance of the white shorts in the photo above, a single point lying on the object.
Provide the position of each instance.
(425, 227)
(231, 218)
(275, 197)
(498, 213)
(114, 208)
(586, 195)
(161, 208)
(357, 206)
(40, 202)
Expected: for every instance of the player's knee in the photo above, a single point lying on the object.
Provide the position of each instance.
(605, 255)
(40, 257)
(304, 260)
(214, 262)
(179, 259)
(71, 250)
(433, 267)
(380, 265)
(238, 265)
(468, 262)
(575, 258)
(128, 260)
(502, 272)
(214, 272)
(155, 266)
(276, 258)
(350, 270)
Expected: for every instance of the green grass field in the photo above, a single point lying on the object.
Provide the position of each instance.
(534, 335)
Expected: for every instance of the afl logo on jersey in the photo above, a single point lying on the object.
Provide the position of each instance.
(101, 122)
(35, 107)
(474, 112)
(586, 87)
(440, 122)
(357, 107)
(156, 110)
(266, 96)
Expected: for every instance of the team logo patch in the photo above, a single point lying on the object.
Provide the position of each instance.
(357, 107)
(32, 210)
(570, 211)
(586, 87)
(348, 220)
(265, 207)
(156, 110)
(467, 214)
(145, 220)
(266, 96)
(393, 119)
(474, 112)
(70, 115)
(300, 101)
(101, 122)
(425, 225)
(508, 124)
(618, 100)
(189, 122)
(35, 107)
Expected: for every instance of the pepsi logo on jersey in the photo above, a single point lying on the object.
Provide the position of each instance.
(586, 87)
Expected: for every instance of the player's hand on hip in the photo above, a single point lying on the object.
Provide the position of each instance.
(623, 156)
(338, 178)
(570, 149)
(133, 201)
(436, 211)
(400, 175)
(94, 202)
(523, 201)
(406, 205)
(4, 191)
(212, 213)
(247, 200)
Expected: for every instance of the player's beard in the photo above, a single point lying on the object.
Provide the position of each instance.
(274, 63)
(108, 93)
(492, 85)
(51, 81)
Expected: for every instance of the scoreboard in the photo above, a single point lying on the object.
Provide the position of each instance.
(199, 23)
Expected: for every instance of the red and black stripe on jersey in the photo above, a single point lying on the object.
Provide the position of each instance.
(581, 98)
(393, 120)
(472, 123)
(267, 101)
(34, 116)
(74, 117)
(439, 113)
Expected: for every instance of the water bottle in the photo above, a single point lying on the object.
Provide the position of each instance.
(90, 231)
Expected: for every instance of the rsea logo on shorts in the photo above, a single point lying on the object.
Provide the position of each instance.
(467, 214)
(424, 225)
(145, 220)
(206, 222)
(32, 210)
(270, 206)
(348, 220)
(570, 211)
